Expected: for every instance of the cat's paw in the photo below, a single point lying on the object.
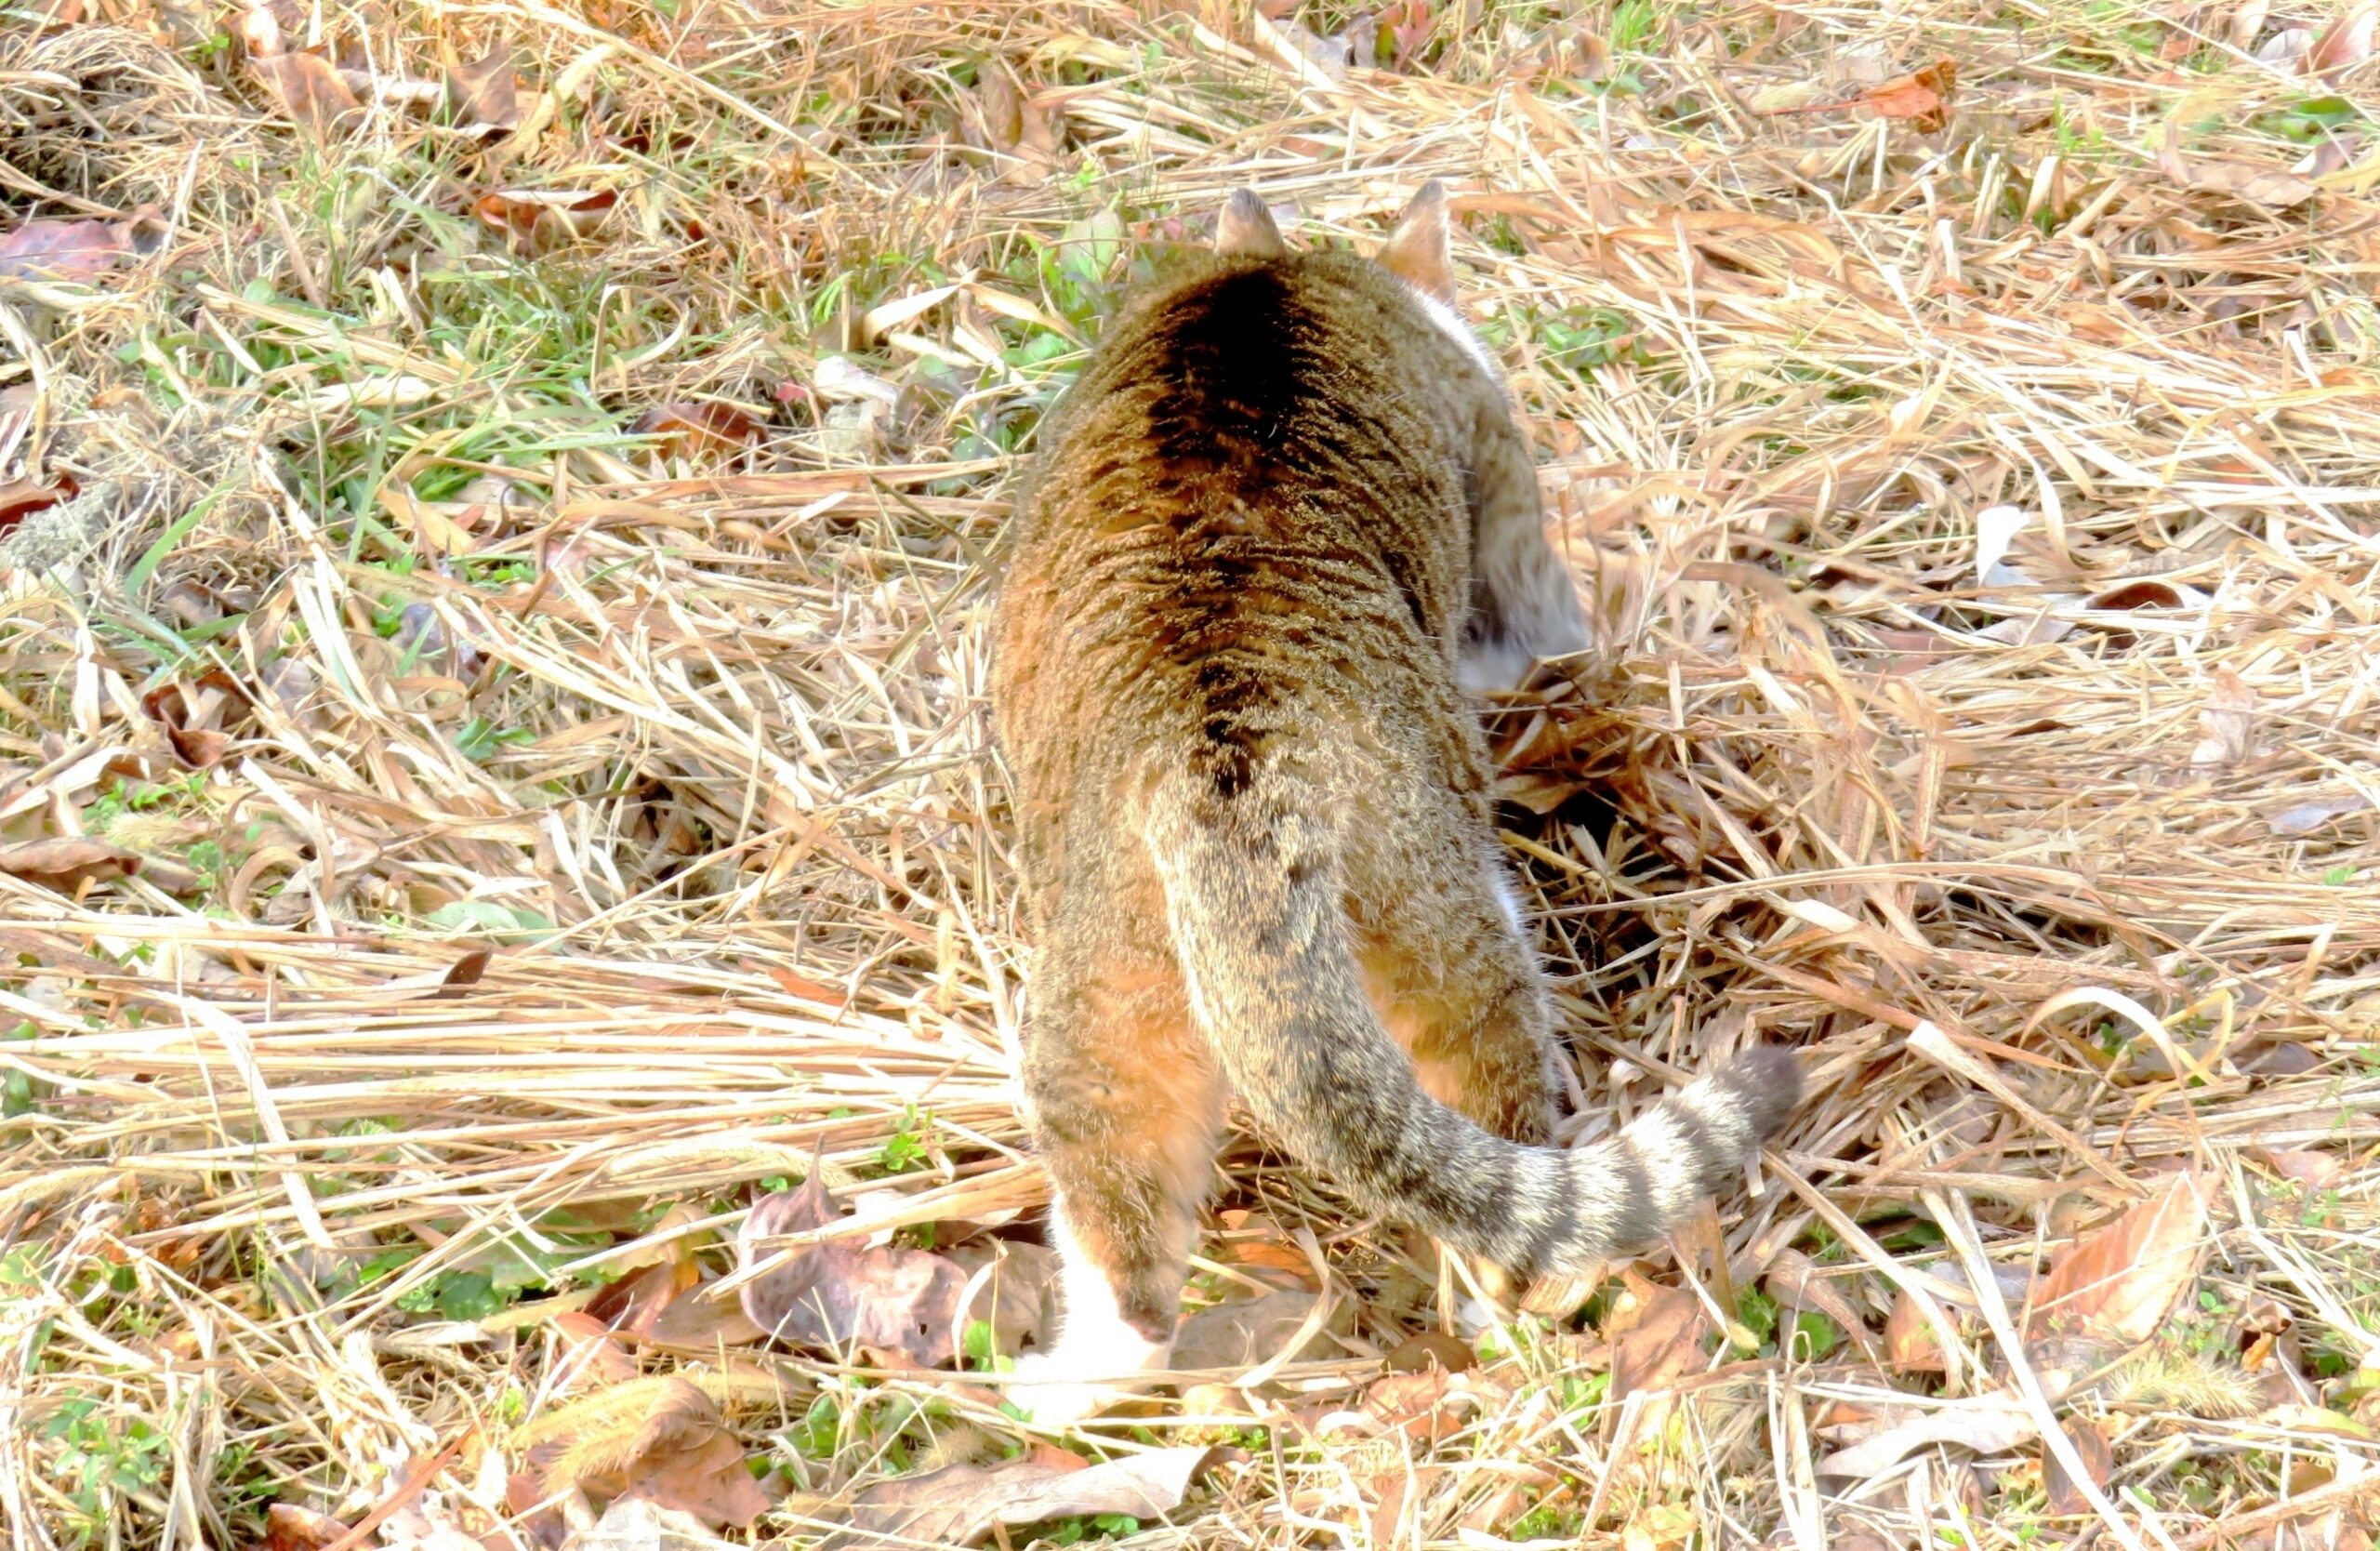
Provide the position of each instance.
(1055, 1395)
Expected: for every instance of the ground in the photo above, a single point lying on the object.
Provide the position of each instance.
(503, 503)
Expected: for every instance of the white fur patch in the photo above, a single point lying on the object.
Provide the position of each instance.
(1094, 1343)
(1489, 668)
(1508, 898)
(1450, 324)
(1661, 1146)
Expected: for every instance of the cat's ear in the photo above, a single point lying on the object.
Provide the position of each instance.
(1247, 228)
(1418, 251)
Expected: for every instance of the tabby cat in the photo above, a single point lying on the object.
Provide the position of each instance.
(1280, 526)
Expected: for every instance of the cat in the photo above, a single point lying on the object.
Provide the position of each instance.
(1280, 526)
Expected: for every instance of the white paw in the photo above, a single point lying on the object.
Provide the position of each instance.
(1053, 1395)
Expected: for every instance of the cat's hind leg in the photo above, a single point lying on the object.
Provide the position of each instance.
(1127, 1108)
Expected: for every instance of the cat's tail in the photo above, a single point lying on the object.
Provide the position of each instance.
(1253, 899)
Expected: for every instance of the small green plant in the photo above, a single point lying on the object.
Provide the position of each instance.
(101, 1459)
(906, 1149)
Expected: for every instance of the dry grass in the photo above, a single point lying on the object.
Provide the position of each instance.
(2063, 890)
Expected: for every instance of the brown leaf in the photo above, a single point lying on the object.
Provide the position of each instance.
(2344, 43)
(1018, 1298)
(699, 428)
(290, 1528)
(1409, 24)
(1923, 97)
(1987, 1424)
(2316, 1170)
(192, 712)
(634, 1302)
(75, 250)
(998, 108)
(2065, 1498)
(67, 863)
(2142, 592)
(1432, 1349)
(1794, 1280)
(1254, 1244)
(633, 1524)
(590, 1352)
(802, 985)
(704, 1476)
(661, 1439)
(701, 1322)
(835, 1293)
(1662, 1346)
(538, 220)
(19, 499)
(2254, 182)
(960, 1504)
(465, 972)
(2117, 1283)
(485, 94)
(1431, 1404)
(1242, 1335)
(2229, 720)
(309, 91)
(1910, 1345)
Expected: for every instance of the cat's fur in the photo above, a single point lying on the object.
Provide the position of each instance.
(1281, 523)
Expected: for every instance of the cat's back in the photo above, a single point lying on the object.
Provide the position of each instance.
(1253, 482)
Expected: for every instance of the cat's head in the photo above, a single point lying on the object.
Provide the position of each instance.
(1417, 252)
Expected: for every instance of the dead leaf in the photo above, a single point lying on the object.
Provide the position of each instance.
(19, 499)
(1431, 1405)
(1794, 1280)
(960, 1504)
(1254, 1244)
(1987, 1424)
(2146, 592)
(485, 94)
(2304, 818)
(1018, 1298)
(700, 1321)
(588, 1352)
(2344, 43)
(2254, 182)
(1664, 1343)
(537, 221)
(2246, 22)
(2314, 1171)
(68, 862)
(996, 115)
(635, 1524)
(310, 91)
(661, 1439)
(999, 116)
(193, 712)
(1910, 1345)
(1409, 25)
(77, 250)
(695, 430)
(290, 1528)
(2228, 719)
(2117, 1283)
(1432, 1349)
(1393, 1490)
(835, 1293)
(1242, 1335)
(804, 988)
(2067, 1499)
(634, 1302)
(1923, 97)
